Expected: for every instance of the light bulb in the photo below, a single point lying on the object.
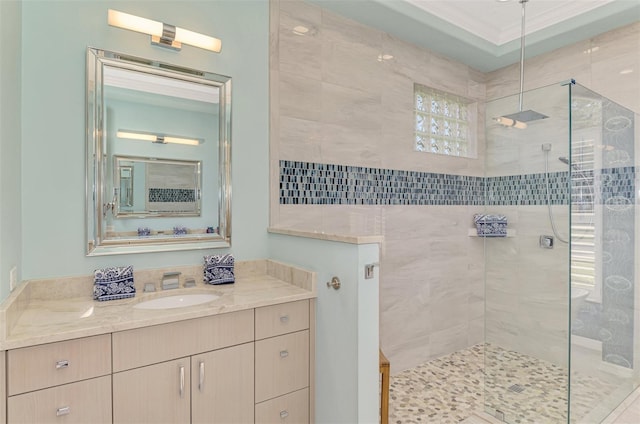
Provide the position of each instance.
(198, 40)
(134, 23)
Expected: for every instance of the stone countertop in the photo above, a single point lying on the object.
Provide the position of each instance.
(33, 319)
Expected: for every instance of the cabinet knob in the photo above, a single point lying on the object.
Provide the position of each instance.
(284, 353)
(284, 319)
(284, 414)
(62, 364)
(65, 410)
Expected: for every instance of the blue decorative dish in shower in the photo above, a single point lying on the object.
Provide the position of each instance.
(490, 225)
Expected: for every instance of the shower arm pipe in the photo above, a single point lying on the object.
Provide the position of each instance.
(524, 2)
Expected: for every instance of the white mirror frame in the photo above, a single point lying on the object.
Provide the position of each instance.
(96, 159)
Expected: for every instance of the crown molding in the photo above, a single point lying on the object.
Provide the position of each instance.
(500, 23)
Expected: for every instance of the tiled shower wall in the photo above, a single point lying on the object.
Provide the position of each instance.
(334, 103)
(336, 109)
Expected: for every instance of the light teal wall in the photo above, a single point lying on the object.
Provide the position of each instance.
(55, 37)
(10, 116)
(346, 325)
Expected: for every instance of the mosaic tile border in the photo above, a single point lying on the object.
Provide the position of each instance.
(172, 195)
(328, 184)
(309, 183)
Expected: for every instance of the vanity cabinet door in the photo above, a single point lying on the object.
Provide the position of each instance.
(158, 393)
(87, 401)
(290, 408)
(38, 367)
(282, 365)
(283, 318)
(222, 386)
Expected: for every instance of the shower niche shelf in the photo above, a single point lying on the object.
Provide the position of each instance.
(474, 233)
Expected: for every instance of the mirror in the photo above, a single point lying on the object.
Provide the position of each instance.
(158, 156)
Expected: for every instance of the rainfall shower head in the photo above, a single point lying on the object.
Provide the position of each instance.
(526, 116)
(520, 118)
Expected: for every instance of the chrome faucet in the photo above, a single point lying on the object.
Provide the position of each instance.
(170, 280)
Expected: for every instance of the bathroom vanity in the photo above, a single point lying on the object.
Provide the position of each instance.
(247, 356)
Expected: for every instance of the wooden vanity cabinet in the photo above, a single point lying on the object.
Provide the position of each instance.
(215, 386)
(254, 365)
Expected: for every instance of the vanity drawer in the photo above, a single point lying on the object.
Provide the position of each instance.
(282, 365)
(38, 367)
(291, 408)
(282, 319)
(159, 343)
(86, 401)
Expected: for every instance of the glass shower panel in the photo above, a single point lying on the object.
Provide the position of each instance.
(603, 265)
(527, 272)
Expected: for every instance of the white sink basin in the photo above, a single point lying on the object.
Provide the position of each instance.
(176, 301)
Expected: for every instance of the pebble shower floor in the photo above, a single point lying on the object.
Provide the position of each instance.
(451, 388)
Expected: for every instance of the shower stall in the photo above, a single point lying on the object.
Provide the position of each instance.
(561, 296)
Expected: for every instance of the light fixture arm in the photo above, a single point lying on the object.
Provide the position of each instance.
(168, 37)
(524, 2)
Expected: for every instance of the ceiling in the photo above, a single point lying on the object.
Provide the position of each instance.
(485, 34)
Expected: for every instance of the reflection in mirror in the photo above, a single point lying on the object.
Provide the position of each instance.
(126, 186)
(158, 156)
(163, 188)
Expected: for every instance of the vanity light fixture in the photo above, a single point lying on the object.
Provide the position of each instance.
(157, 138)
(162, 34)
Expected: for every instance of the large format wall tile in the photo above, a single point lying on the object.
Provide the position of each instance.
(334, 103)
(300, 139)
(349, 107)
(299, 97)
(299, 53)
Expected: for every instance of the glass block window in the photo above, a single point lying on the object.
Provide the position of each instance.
(443, 122)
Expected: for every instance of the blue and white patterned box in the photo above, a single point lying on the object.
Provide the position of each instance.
(491, 225)
(179, 230)
(113, 283)
(218, 269)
